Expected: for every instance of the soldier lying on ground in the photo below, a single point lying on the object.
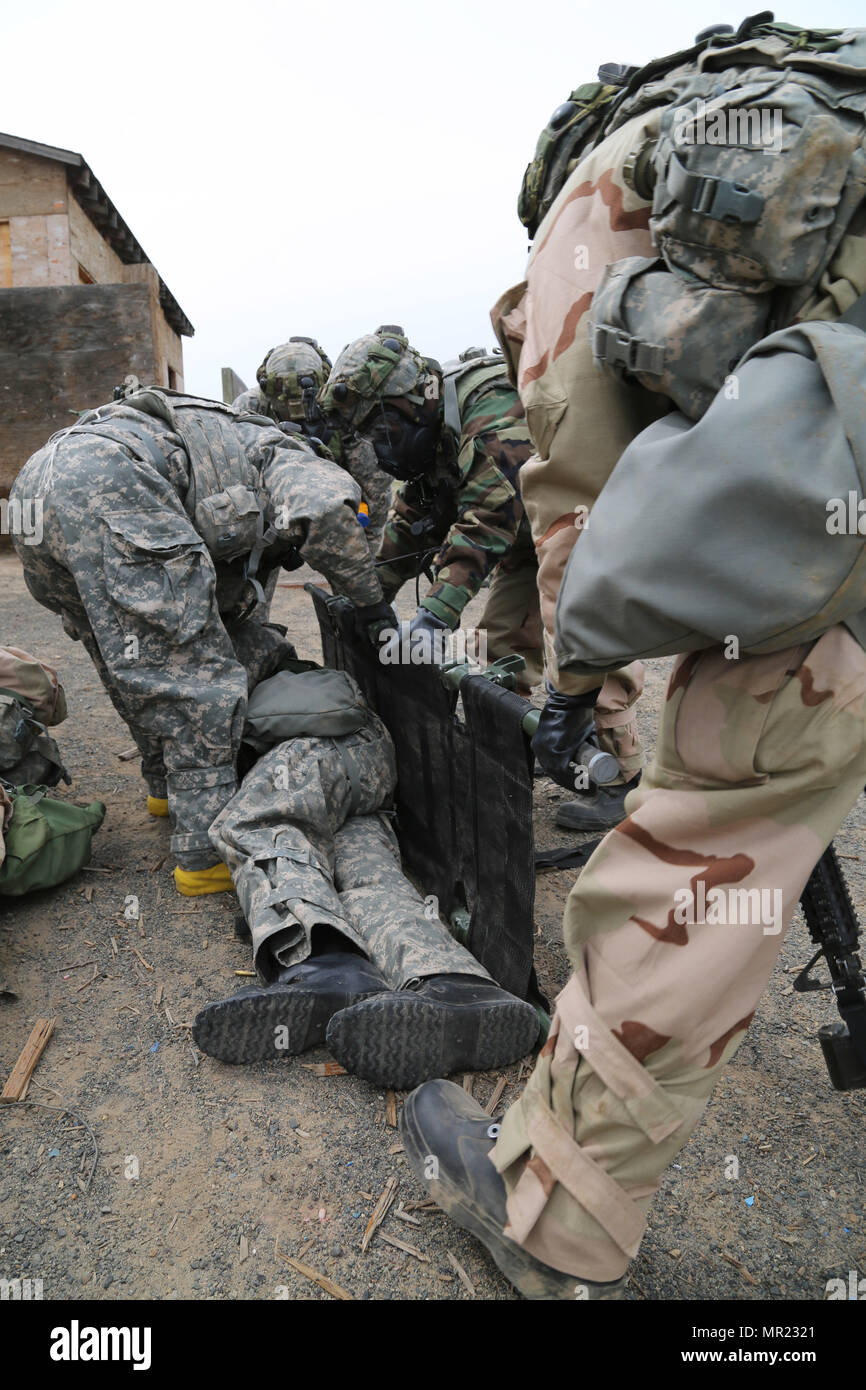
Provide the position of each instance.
(346, 950)
(161, 515)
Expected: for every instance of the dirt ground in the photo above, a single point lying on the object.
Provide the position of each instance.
(208, 1175)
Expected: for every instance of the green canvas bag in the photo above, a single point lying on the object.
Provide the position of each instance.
(318, 703)
(47, 841)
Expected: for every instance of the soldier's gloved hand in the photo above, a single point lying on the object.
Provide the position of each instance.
(417, 642)
(424, 645)
(374, 619)
(563, 726)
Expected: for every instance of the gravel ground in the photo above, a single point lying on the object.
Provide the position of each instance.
(208, 1175)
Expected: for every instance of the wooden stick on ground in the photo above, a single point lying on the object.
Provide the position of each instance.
(321, 1279)
(19, 1077)
(497, 1093)
(461, 1273)
(391, 1110)
(380, 1211)
(401, 1245)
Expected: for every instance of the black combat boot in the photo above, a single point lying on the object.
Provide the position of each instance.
(447, 1138)
(600, 809)
(433, 1027)
(263, 1023)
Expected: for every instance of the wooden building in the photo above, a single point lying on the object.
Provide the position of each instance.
(81, 306)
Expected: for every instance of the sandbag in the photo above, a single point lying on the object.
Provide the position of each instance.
(730, 528)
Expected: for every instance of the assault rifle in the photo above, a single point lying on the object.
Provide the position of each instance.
(835, 930)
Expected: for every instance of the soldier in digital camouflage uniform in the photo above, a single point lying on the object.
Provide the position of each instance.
(457, 440)
(757, 760)
(345, 948)
(289, 381)
(128, 494)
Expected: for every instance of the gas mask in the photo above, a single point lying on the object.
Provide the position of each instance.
(405, 446)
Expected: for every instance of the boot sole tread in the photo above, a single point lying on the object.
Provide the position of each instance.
(399, 1040)
(244, 1030)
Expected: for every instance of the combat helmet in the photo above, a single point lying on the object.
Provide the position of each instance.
(377, 367)
(291, 377)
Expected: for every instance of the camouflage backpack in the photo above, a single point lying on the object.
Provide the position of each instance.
(584, 119)
(755, 169)
(31, 697)
(829, 62)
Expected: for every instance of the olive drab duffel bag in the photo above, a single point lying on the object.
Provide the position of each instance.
(744, 525)
(46, 841)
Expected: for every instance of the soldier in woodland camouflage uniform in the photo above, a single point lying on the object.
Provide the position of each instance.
(160, 515)
(345, 947)
(458, 448)
(757, 761)
(289, 381)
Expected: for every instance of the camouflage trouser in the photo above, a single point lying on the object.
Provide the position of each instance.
(308, 846)
(511, 617)
(122, 564)
(757, 764)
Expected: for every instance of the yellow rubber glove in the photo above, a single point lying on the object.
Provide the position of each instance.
(192, 883)
(157, 805)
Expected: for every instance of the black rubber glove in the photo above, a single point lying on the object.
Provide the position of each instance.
(374, 619)
(425, 621)
(563, 725)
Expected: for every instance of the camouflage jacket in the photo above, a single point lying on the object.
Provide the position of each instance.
(468, 514)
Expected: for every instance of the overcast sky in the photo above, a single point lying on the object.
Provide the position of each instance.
(322, 168)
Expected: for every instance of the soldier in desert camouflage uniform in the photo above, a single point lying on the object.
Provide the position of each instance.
(128, 496)
(457, 439)
(757, 761)
(580, 423)
(289, 381)
(345, 948)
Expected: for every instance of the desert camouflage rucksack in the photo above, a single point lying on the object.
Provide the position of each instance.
(31, 697)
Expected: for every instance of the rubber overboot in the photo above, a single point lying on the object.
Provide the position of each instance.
(439, 1025)
(157, 805)
(263, 1023)
(601, 809)
(448, 1137)
(193, 883)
